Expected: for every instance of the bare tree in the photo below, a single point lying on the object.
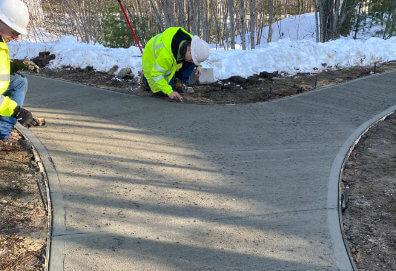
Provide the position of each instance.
(252, 28)
(35, 10)
(217, 21)
(171, 12)
(242, 23)
(332, 18)
(336, 19)
(214, 17)
(191, 18)
(271, 18)
(180, 5)
(324, 17)
(316, 20)
(224, 36)
(157, 16)
(207, 23)
(357, 22)
(232, 22)
(165, 8)
(260, 21)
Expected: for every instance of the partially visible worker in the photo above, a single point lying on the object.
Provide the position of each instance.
(14, 18)
(174, 53)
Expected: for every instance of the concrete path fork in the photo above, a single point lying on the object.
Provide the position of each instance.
(145, 184)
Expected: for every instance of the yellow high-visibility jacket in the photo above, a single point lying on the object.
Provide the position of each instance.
(7, 106)
(159, 59)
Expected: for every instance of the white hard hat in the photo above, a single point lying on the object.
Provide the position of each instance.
(200, 50)
(15, 14)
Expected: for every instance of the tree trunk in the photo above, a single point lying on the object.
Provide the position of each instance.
(217, 23)
(158, 17)
(270, 7)
(207, 23)
(202, 15)
(335, 28)
(164, 7)
(242, 22)
(198, 12)
(252, 20)
(357, 22)
(172, 12)
(232, 22)
(192, 17)
(180, 4)
(346, 15)
(323, 15)
(260, 24)
(334, 22)
(225, 27)
(316, 19)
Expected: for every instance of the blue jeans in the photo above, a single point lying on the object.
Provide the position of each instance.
(16, 91)
(183, 74)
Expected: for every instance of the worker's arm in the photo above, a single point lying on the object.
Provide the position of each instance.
(160, 73)
(176, 96)
(9, 108)
(23, 64)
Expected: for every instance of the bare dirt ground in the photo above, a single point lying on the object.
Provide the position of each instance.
(23, 221)
(236, 90)
(370, 216)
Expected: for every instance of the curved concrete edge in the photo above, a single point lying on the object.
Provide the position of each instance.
(342, 254)
(56, 210)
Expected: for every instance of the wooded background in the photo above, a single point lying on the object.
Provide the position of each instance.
(216, 21)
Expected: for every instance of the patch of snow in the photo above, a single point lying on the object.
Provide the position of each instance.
(292, 51)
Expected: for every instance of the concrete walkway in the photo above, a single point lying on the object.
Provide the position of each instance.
(145, 184)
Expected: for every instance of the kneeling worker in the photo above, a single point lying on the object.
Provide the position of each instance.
(14, 18)
(172, 54)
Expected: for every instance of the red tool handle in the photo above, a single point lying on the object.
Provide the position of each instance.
(130, 26)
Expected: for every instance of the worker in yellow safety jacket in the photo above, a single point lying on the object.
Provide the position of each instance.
(14, 18)
(174, 53)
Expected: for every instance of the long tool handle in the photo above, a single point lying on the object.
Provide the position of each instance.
(130, 26)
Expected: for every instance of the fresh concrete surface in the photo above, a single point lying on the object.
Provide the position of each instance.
(153, 185)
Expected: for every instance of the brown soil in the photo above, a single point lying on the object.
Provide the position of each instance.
(236, 90)
(369, 219)
(23, 222)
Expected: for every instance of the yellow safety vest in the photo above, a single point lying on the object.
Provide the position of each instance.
(7, 105)
(159, 64)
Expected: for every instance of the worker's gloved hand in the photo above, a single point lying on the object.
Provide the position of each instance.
(24, 117)
(176, 96)
(24, 64)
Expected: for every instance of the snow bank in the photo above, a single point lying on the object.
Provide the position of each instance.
(70, 52)
(285, 54)
(301, 56)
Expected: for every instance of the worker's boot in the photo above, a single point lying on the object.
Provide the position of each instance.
(180, 86)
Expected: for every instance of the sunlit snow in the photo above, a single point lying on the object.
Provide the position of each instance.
(293, 50)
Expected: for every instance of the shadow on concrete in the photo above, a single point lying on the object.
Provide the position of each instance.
(152, 185)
